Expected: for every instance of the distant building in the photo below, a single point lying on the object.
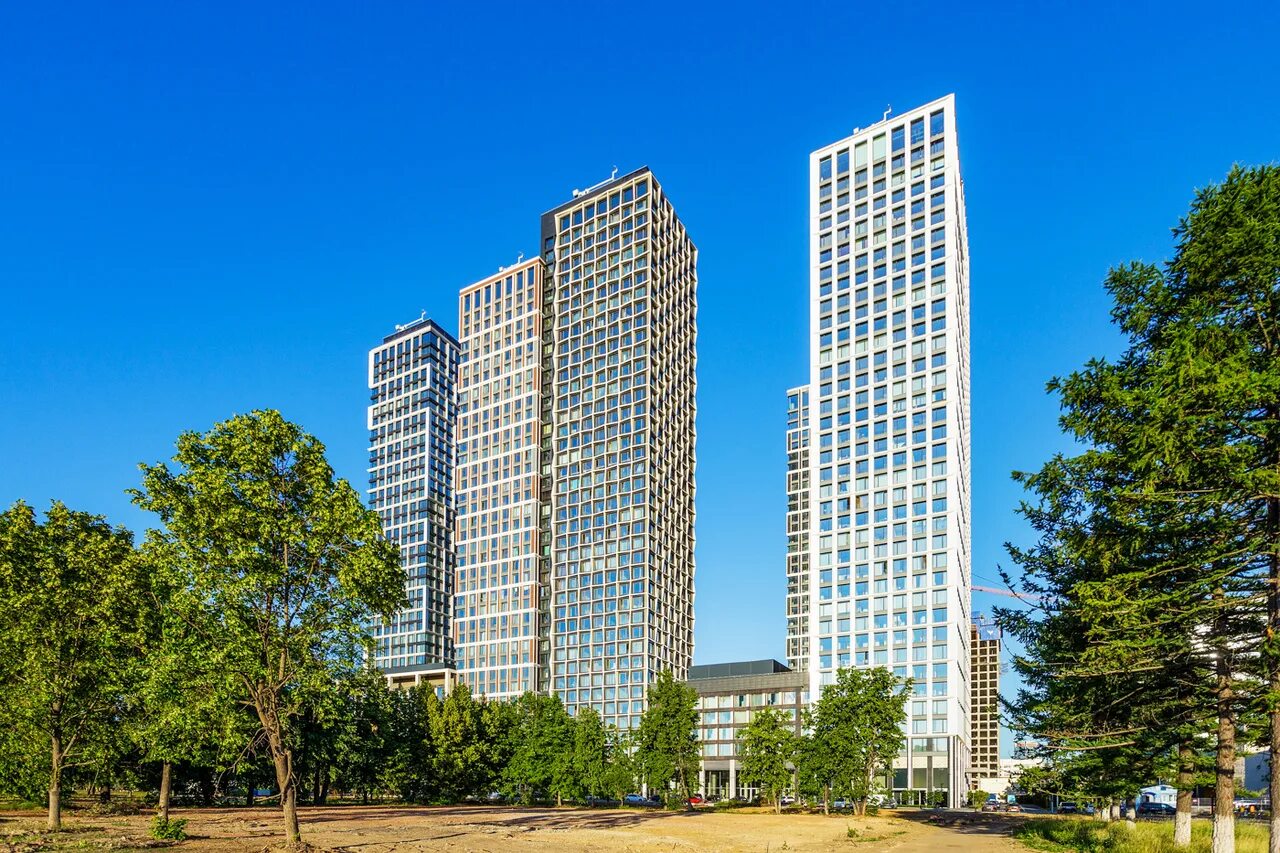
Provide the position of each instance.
(413, 378)
(500, 463)
(984, 701)
(798, 606)
(1256, 772)
(729, 694)
(560, 436)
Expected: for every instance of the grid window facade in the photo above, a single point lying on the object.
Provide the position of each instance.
(620, 357)
(985, 672)
(413, 404)
(798, 528)
(889, 427)
(496, 605)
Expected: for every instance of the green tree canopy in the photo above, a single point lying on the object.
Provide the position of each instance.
(854, 732)
(278, 569)
(666, 742)
(72, 592)
(768, 749)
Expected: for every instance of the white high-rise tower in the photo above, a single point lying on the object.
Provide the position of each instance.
(888, 517)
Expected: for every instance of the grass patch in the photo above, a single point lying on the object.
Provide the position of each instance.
(1082, 835)
(857, 837)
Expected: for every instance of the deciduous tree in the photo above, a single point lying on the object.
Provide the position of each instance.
(768, 750)
(278, 569)
(666, 742)
(71, 591)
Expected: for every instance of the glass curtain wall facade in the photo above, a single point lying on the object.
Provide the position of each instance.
(413, 404)
(889, 559)
(499, 462)
(620, 356)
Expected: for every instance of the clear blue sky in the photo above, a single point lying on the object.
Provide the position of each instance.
(208, 208)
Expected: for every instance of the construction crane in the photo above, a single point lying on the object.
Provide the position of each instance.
(1021, 596)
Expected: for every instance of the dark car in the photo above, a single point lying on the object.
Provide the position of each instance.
(1156, 809)
(1068, 808)
(600, 802)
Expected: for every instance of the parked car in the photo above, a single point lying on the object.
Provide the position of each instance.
(787, 800)
(696, 800)
(1155, 809)
(495, 797)
(635, 800)
(882, 801)
(600, 802)
(1068, 808)
(1248, 806)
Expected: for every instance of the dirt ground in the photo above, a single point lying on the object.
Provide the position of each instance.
(382, 829)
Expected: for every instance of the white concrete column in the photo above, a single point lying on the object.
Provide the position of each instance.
(733, 777)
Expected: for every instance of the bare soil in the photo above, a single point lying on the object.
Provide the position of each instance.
(383, 829)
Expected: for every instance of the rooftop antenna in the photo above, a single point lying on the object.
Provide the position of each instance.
(520, 257)
(615, 173)
(400, 327)
(888, 109)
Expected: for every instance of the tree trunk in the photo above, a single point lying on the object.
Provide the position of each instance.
(1273, 663)
(248, 796)
(1104, 811)
(1186, 777)
(287, 783)
(55, 778)
(1224, 789)
(826, 799)
(1131, 814)
(166, 784)
(1115, 810)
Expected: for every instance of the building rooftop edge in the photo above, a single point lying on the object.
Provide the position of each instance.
(418, 325)
(524, 263)
(950, 96)
(603, 186)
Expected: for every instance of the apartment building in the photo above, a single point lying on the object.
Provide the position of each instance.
(572, 400)
(412, 378)
(888, 431)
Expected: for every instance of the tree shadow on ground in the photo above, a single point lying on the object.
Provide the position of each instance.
(970, 823)
(503, 816)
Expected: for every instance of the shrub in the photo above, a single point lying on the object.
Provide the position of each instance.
(174, 829)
